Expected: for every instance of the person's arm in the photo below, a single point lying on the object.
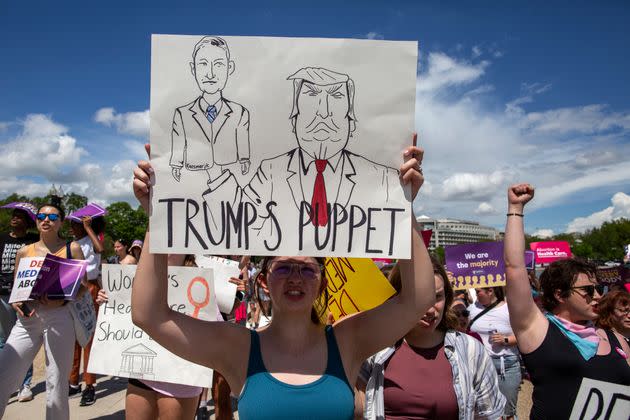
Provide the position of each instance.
(528, 323)
(504, 340)
(77, 254)
(97, 244)
(367, 332)
(359, 400)
(209, 344)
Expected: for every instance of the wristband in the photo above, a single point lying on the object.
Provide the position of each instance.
(515, 214)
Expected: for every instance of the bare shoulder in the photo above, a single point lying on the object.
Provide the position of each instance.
(22, 251)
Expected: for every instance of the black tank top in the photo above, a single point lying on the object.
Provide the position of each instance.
(556, 369)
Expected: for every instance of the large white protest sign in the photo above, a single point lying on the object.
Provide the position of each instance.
(598, 400)
(25, 278)
(223, 270)
(281, 146)
(122, 349)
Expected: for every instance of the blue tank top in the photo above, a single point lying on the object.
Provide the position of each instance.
(265, 397)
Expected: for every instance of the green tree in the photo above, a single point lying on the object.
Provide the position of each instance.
(72, 202)
(126, 223)
(439, 253)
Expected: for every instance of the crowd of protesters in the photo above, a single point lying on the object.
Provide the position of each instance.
(428, 352)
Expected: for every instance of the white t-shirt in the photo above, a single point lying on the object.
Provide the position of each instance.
(93, 259)
(497, 319)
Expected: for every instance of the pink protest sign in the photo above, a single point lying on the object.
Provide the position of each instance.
(59, 278)
(548, 252)
(92, 210)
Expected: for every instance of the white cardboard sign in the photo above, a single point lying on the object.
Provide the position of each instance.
(598, 400)
(122, 349)
(223, 270)
(25, 278)
(281, 146)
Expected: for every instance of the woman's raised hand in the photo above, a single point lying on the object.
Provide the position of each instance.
(142, 180)
(519, 195)
(411, 169)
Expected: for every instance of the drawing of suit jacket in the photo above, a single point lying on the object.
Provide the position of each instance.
(199, 145)
(278, 179)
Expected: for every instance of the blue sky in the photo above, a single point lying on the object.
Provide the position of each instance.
(506, 92)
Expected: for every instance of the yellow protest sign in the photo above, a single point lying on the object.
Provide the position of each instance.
(354, 285)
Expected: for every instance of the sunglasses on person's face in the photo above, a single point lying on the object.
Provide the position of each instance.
(463, 312)
(283, 269)
(51, 216)
(590, 289)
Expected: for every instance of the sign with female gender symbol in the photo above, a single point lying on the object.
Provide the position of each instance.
(122, 349)
(199, 305)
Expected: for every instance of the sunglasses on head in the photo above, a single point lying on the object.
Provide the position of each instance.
(51, 216)
(282, 269)
(590, 289)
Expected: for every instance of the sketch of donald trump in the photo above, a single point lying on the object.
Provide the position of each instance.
(320, 173)
(211, 131)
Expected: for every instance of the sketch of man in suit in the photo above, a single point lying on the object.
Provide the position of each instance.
(320, 171)
(211, 131)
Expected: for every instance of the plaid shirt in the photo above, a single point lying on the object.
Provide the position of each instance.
(474, 379)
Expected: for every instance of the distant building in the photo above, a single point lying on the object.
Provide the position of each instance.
(454, 232)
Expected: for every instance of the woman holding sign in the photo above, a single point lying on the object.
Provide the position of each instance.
(560, 348)
(296, 367)
(45, 321)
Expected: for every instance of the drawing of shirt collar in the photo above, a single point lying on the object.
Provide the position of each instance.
(306, 162)
(203, 105)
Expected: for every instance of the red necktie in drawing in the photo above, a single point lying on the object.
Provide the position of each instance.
(319, 205)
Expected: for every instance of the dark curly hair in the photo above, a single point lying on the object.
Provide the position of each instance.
(561, 275)
(449, 319)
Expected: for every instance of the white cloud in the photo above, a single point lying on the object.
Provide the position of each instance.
(444, 71)
(543, 233)
(485, 208)
(528, 92)
(474, 149)
(374, 35)
(476, 51)
(4, 126)
(620, 208)
(463, 186)
(136, 149)
(133, 123)
(587, 119)
(44, 153)
(43, 148)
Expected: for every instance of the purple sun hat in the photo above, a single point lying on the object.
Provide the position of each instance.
(29, 208)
